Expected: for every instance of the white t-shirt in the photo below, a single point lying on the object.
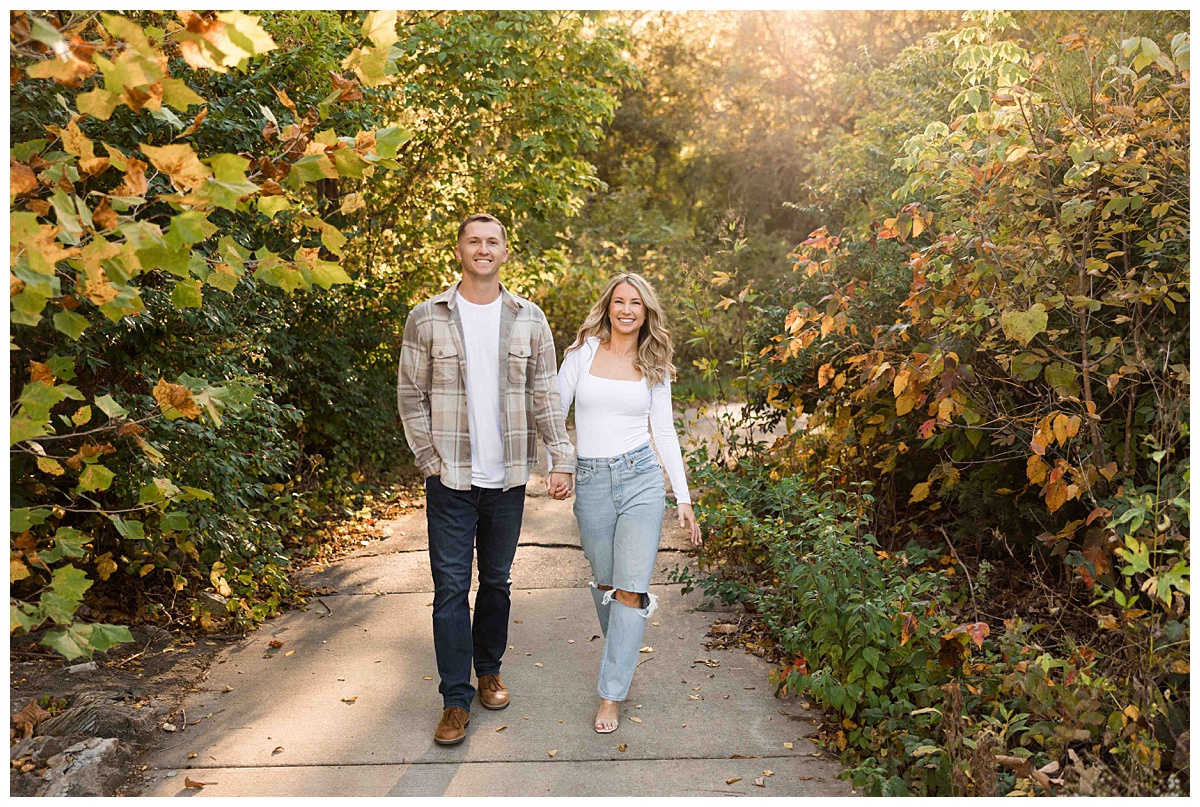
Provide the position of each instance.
(612, 416)
(481, 340)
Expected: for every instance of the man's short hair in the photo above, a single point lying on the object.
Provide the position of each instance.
(482, 217)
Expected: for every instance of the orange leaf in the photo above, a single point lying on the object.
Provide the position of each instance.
(1056, 495)
(180, 163)
(824, 375)
(134, 183)
(195, 124)
(40, 372)
(21, 178)
(907, 628)
(175, 398)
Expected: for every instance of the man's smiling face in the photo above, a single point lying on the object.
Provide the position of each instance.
(481, 250)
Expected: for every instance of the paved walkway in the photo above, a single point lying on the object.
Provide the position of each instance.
(346, 704)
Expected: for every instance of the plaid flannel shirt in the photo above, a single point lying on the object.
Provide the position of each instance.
(432, 394)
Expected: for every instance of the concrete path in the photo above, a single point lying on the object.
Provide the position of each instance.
(346, 704)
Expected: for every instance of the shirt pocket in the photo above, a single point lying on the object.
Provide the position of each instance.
(445, 365)
(519, 355)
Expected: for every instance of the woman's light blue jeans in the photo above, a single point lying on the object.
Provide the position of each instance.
(619, 504)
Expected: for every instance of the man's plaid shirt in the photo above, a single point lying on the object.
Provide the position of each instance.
(432, 391)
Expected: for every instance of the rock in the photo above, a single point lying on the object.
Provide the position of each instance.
(98, 715)
(39, 749)
(79, 668)
(215, 604)
(89, 768)
(1182, 758)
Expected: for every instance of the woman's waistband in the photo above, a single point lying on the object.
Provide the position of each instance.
(629, 458)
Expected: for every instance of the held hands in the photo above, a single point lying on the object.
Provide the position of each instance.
(559, 485)
(687, 520)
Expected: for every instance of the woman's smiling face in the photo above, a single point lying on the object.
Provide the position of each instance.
(626, 311)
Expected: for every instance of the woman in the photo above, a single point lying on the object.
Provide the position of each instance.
(618, 371)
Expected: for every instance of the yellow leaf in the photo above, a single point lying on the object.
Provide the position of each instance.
(918, 225)
(149, 567)
(1181, 667)
(17, 570)
(900, 383)
(380, 28)
(105, 566)
(289, 653)
(49, 466)
(919, 492)
(906, 402)
(1036, 470)
(82, 415)
(1109, 471)
(1017, 154)
(733, 779)
(1072, 425)
(839, 381)
(552, 752)
(1060, 428)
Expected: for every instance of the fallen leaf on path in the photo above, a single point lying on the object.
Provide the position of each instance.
(623, 748)
(743, 756)
(560, 617)
(192, 755)
(324, 591)
(805, 778)
(516, 622)
(768, 773)
(28, 718)
(724, 628)
(502, 728)
(759, 782)
(288, 653)
(192, 784)
(227, 688)
(427, 678)
(788, 746)
(694, 697)
(274, 643)
(278, 749)
(538, 664)
(636, 719)
(169, 727)
(734, 779)
(592, 638)
(647, 649)
(656, 624)
(350, 700)
(570, 641)
(695, 689)
(552, 753)
(524, 717)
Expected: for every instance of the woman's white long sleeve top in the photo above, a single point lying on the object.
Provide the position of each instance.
(614, 416)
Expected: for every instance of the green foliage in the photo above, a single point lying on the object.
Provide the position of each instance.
(178, 408)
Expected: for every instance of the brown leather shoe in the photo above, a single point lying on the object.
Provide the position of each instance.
(452, 729)
(492, 693)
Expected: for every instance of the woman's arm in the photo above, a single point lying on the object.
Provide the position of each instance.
(662, 426)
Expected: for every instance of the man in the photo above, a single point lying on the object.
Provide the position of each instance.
(477, 381)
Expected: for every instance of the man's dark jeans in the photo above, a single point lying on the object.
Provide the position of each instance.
(489, 522)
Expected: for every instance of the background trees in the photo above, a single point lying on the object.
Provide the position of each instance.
(948, 252)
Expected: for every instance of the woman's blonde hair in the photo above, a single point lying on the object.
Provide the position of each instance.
(654, 341)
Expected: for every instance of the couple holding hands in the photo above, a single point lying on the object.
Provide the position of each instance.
(476, 385)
